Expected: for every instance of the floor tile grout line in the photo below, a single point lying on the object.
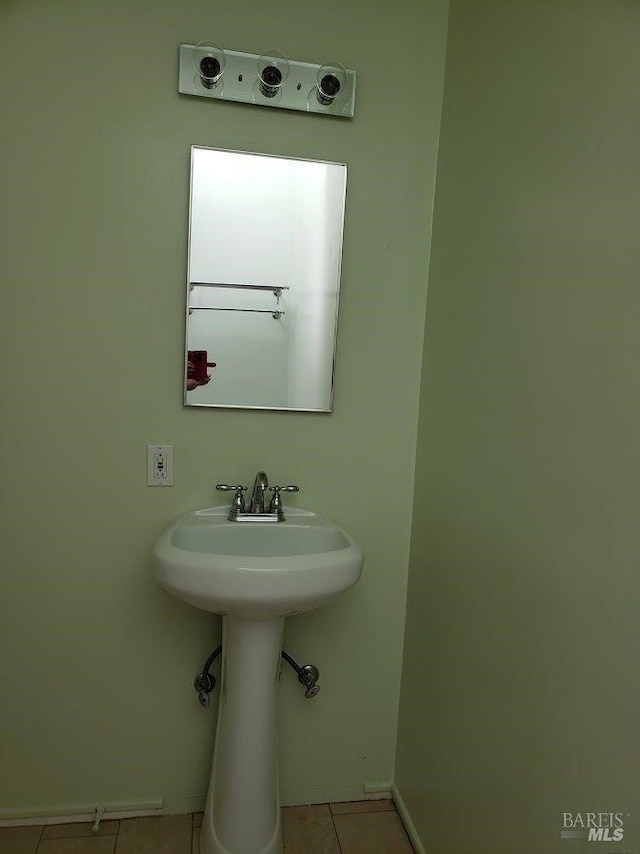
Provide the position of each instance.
(335, 829)
(41, 838)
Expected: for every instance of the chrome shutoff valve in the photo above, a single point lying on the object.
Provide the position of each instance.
(309, 675)
(204, 683)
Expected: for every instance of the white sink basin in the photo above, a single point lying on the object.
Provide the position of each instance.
(256, 570)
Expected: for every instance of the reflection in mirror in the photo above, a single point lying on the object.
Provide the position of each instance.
(265, 246)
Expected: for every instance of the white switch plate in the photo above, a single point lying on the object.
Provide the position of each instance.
(159, 465)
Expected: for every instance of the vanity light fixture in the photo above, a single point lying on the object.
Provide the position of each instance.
(268, 80)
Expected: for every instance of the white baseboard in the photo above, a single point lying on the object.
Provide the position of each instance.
(185, 804)
(334, 794)
(374, 791)
(409, 826)
(69, 813)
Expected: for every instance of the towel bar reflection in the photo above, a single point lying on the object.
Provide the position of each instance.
(245, 287)
(276, 290)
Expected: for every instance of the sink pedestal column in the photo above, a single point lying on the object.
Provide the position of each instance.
(242, 814)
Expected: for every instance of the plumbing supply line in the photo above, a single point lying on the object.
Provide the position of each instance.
(216, 652)
(290, 661)
(204, 683)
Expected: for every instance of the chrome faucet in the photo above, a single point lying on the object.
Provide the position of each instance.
(260, 486)
(257, 511)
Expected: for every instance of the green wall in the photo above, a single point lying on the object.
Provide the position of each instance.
(520, 694)
(97, 661)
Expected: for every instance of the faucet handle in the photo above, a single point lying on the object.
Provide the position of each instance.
(276, 501)
(237, 503)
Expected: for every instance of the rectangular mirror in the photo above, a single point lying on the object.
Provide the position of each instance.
(265, 249)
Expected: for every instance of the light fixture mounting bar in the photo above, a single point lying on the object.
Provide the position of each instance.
(240, 82)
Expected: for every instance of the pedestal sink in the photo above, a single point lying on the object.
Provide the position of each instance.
(254, 574)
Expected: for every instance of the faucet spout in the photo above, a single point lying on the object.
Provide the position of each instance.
(260, 486)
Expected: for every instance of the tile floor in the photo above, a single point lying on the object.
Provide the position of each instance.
(360, 827)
